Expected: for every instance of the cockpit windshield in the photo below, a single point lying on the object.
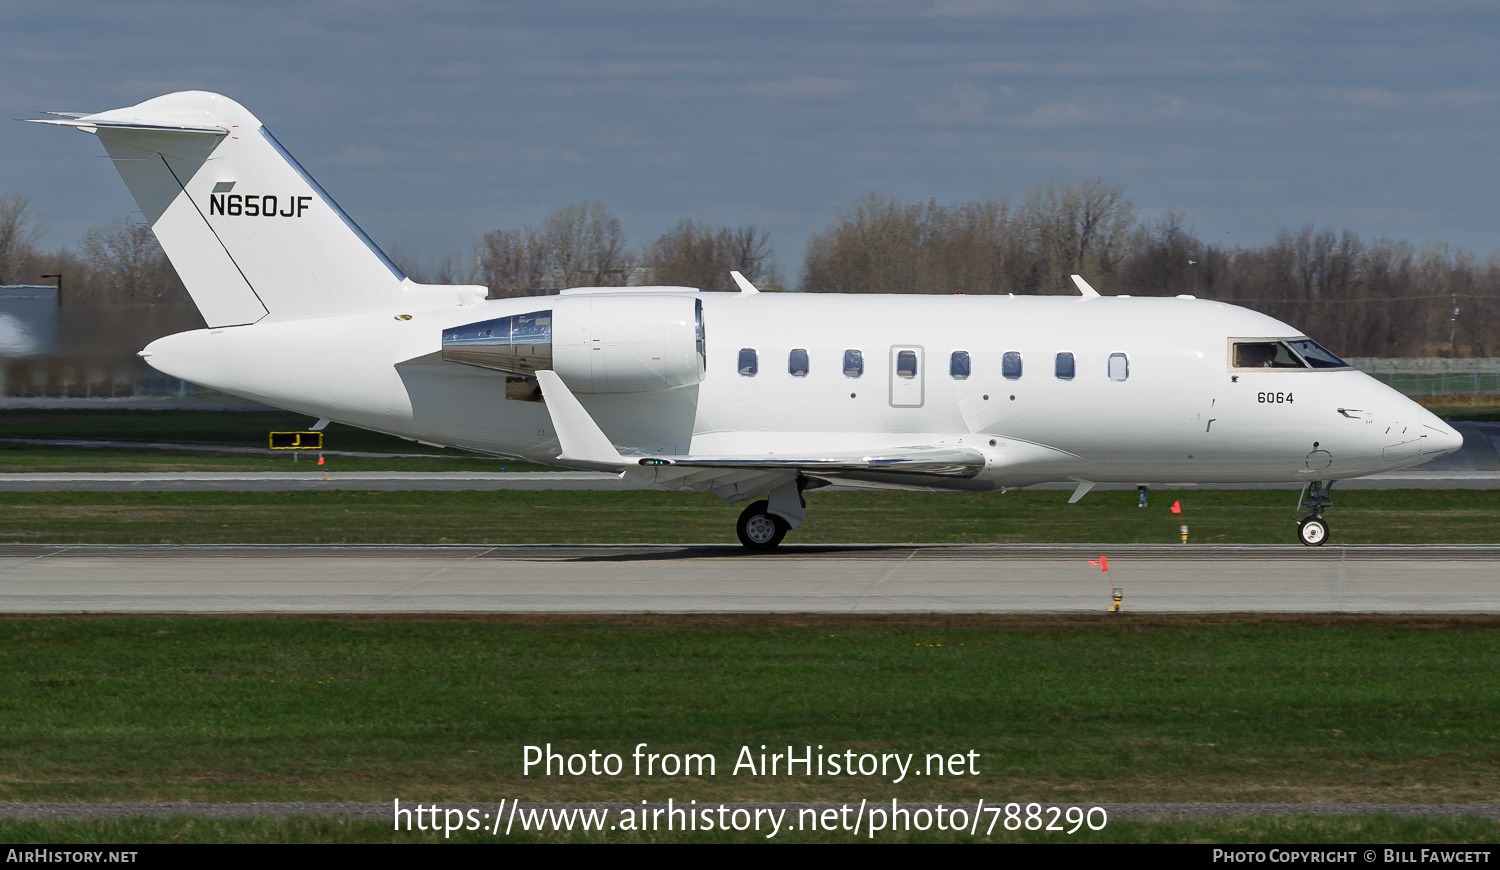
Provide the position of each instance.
(1290, 353)
(1316, 355)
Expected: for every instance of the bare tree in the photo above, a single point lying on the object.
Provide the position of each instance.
(585, 246)
(128, 265)
(513, 262)
(20, 230)
(1077, 228)
(698, 254)
(578, 245)
(1166, 258)
(882, 245)
(453, 267)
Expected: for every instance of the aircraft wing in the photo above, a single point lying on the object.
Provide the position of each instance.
(734, 477)
(943, 461)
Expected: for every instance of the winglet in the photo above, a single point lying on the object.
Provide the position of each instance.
(1083, 287)
(1083, 489)
(744, 283)
(581, 438)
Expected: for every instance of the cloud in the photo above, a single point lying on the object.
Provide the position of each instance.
(1058, 114)
(800, 88)
(364, 155)
(1378, 98)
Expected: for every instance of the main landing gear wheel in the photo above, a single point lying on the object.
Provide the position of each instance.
(758, 529)
(1313, 531)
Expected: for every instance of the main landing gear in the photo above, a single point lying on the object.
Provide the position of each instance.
(1312, 529)
(759, 529)
(764, 523)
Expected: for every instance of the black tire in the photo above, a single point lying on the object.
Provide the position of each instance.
(759, 529)
(1312, 532)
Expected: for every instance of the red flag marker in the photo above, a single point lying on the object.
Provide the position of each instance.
(320, 459)
(1176, 507)
(1102, 562)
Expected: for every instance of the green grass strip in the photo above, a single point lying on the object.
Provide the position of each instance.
(1285, 709)
(1377, 829)
(519, 517)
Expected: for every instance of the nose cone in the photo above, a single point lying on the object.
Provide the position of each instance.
(1435, 438)
(1444, 438)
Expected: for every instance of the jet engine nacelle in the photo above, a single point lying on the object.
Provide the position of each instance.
(614, 343)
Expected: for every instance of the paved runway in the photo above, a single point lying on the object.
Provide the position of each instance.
(720, 579)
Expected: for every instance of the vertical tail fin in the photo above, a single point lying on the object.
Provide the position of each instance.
(252, 235)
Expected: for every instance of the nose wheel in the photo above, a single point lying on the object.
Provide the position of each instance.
(1312, 529)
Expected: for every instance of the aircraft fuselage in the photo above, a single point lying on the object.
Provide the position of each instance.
(1174, 409)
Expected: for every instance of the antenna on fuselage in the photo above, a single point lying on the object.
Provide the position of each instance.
(1083, 287)
(744, 283)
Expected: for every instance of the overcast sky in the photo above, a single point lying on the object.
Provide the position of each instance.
(433, 122)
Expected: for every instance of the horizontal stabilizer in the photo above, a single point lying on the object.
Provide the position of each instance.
(84, 123)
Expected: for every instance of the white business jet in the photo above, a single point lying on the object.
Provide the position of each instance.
(741, 394)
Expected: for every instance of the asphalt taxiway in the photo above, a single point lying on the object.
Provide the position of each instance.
(722, 579)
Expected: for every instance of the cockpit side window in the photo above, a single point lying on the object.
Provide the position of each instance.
(1316, 355)
(1264, 355)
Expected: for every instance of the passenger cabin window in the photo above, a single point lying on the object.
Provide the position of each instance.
(906, 364)
(1265, 355)
(1010, 365)
(958, 365)
(1119, 367)
(749, 365)
(796, 362)
(854, 363)
(1065, 366)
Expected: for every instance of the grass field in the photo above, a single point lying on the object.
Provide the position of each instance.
(1213, 516)
(1134, 708)
(75, 460)
(239, 429)
(1309, 830)
(1463, 406)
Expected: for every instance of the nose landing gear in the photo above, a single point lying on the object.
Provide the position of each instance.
(1312, 529)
